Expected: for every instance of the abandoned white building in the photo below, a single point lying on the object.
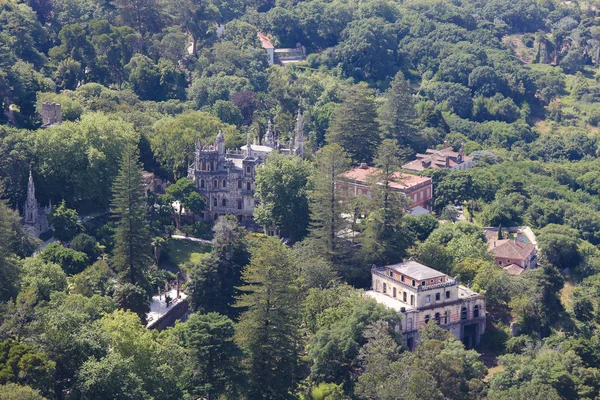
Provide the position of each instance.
(226, 178)
(421, 294)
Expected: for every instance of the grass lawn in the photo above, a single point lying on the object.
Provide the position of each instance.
(185, 252)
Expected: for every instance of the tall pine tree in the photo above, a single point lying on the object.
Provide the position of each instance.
(325, 202)
(132, 254)
(212, 284)
(268, 328)
(397, 115)
(384, 239)
(354, 124)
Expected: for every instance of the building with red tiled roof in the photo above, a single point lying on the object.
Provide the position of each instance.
(281, 56)
(513, 253)
(419, 189)
(446, 158)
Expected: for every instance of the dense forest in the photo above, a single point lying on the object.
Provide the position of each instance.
(140, 82)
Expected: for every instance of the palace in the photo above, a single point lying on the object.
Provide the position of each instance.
(422, 294)
(226, 178)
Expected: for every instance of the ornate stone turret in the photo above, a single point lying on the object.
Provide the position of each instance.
(248, 145)
(270, 137)
(220, 142)
(197, 150)
(299, 135)
(31, 210)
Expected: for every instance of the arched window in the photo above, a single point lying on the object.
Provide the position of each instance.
(412, 299)
(224, 203)
(464, 313)
(427, 317)
(215, 184)
(239, 183)
(476, 311)
(202, 184)
(224, 183)
(214, 201)
(446, 317)
(384, 287)
(394, 292)
(437, 318)
(203, 166)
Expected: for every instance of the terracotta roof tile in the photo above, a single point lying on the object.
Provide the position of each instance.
(402, 181)
(507, 248)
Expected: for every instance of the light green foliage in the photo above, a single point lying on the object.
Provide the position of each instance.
(71, 109)
(173, 138)
(98, 278)
(41, 278)
(140, 363)
(65, 222)
(12, 391)
(78, 161)
(184, 191)
(452, 243)
(281, 187)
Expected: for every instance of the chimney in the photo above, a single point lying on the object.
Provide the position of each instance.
(445, 144)
(461, 153)
(494, 243)
(363, 166)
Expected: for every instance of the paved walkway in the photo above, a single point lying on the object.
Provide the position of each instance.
(193, 239)
(158, 307)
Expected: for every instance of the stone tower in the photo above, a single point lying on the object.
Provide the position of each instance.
(220, 142)
(270, 137)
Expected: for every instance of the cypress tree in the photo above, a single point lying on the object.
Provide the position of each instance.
(132, 254)
(397, 115)
(325, 205)
(268, 328)
(354, 124)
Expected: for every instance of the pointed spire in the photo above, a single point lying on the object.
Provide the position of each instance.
(30, 210)
(270, 136)
(248, 145)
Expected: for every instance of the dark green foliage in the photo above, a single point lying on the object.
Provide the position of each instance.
(87, 244)
(70, 260)
(19, 363)
(132, 239)
(65, 222)
(281, 187)
(214, 357)
(354, 124)
(213, 283)
(267, 328)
